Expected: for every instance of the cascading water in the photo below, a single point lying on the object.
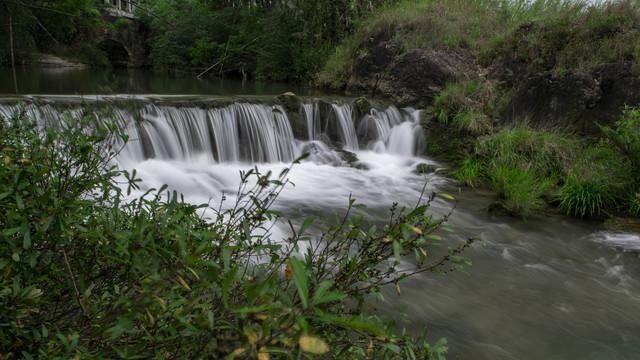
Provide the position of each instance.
(549, 288)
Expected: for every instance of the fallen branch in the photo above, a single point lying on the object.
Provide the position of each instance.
(225, 58)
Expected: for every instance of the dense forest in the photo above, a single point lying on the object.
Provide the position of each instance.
(274, 40)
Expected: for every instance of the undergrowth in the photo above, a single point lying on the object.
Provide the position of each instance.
(531, 168)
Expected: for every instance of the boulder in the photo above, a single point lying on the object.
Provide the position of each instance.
(290, 101)
(620, 86)
(411, 78)
(363, 106)
(561, 102)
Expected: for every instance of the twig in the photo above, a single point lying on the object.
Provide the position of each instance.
(151, 13)
(73, 281)
(45, 29)
(39, 7)
(224, 58)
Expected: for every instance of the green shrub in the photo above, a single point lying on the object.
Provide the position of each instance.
(626, 136)
(85, 274)
(470, 172)
(473, 122)
(544, 151)
(630, 202)
(583, 196)
(521, 188)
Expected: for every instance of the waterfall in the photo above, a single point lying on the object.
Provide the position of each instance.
(241, 132)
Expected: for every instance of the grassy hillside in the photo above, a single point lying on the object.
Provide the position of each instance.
(550, 35)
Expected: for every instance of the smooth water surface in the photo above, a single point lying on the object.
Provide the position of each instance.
(550, 287)
(69, 81)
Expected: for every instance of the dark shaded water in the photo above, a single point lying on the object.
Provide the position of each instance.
(54, 80)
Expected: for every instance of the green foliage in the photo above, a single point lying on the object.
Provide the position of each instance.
(583, 196)
(470, 172)
(44, 25)
(530, 168)
(85, 274)
(521, 189)
(524, 166)
(626, 136)
(469, 106)
(550, 35)
(273, 40)
(556, 35)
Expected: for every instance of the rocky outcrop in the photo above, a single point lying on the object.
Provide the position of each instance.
(547, 101)
(620, 85)
(577, 101)
(411, 78)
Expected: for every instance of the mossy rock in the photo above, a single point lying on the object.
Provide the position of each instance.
(290, 101)
(363, 106)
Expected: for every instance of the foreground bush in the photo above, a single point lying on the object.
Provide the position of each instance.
(84, 274)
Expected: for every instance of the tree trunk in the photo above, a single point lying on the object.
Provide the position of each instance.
(13, 62)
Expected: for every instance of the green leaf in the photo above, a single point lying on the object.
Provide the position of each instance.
(300, 278)
(353, 323)
(446, 196)
(322, 295)
(420, 210)
(15, 257)
(10, 232)
(305, 225)
(27, 239)
(392, 347)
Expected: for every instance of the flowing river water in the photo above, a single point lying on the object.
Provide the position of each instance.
(550, 287)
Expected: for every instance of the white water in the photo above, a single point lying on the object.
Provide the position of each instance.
(548, 288)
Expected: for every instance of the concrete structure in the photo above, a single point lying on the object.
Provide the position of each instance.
(123, 5)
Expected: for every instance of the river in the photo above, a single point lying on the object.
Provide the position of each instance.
(548, 287)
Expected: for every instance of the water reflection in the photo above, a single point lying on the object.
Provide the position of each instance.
(60, 80)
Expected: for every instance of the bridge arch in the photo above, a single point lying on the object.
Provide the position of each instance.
(117, 53)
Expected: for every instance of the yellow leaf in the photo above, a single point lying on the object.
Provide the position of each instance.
(261, 317)
(7, 160)
(183, 283)
(263, 356)
(398, 288)
(238, 351)
(288, 271)
(414, 229)
(386, 239)
(370, 348)
(151, 319)
(313, 344)
(193, 272)
(42, 221)
(424, 253)
(24, 161)
(251, 335)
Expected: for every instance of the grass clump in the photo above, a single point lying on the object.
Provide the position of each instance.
(520, 188)
(86, 274)
(583, 196)
(470, 106)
